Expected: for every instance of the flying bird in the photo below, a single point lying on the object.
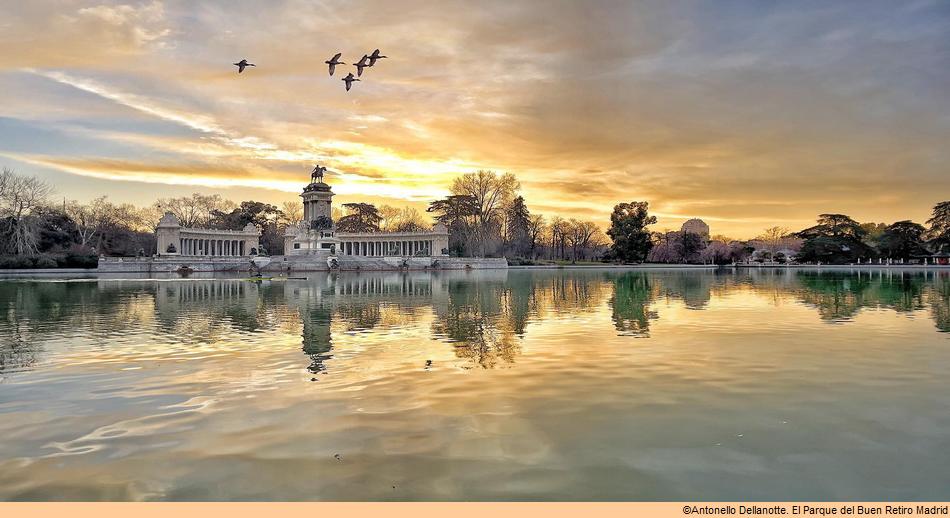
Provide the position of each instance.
(349, 80)
(374, 56)
(334, 61)
(360, 64)
(243, 64)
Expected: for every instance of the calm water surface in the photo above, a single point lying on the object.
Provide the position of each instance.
(519, 385)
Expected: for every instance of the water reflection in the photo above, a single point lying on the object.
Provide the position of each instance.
(630, 303)
(481, 316)
(585, 384)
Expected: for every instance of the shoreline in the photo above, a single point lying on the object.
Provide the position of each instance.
(648, 266)
(660, 266)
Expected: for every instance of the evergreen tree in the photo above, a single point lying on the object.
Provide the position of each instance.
(628, 230)
(902, 240)
(835, 239)
(939, 232)
(518, 227)
(361, 217)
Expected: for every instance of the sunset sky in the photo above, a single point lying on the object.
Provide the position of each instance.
(745, 114)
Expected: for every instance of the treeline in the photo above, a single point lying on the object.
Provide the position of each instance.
(38, 232)
(839, 239)
(836, 239)
(484, 213)
(486, 217)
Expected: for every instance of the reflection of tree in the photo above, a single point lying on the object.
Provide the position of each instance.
(520, 301)
(484, 317)
(901, 292)
(940, 302)
(17, 350)
(30, 312)
(633, 293)
(836, 295)
(474, 323)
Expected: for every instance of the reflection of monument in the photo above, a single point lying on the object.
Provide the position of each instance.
(354, 302)
(317, 235)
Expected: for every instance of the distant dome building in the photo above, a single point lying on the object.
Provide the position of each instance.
(696, 226)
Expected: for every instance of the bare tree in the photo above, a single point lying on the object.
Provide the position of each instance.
(196, 210)
(20, 196)
(559, 230)
(579, 235)
(90, 218)
(536, 228)
(292, 212)
(406, 219)
(492, 193)
(773, 239)
(390, 216)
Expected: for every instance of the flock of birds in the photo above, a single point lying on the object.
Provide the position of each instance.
(368, 60)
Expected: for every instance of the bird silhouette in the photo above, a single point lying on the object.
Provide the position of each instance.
(243, 64)
(374, 56)
(334, 61)
(349, 80)
(361, 64)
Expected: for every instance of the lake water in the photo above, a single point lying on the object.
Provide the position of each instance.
(492, 385)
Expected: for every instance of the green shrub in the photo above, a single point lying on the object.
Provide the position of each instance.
(11, 262)
(45, 261)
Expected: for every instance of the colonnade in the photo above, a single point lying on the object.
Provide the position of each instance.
(379, 248)
(217, 247)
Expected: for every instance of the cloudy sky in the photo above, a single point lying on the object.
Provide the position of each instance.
(746, 114)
